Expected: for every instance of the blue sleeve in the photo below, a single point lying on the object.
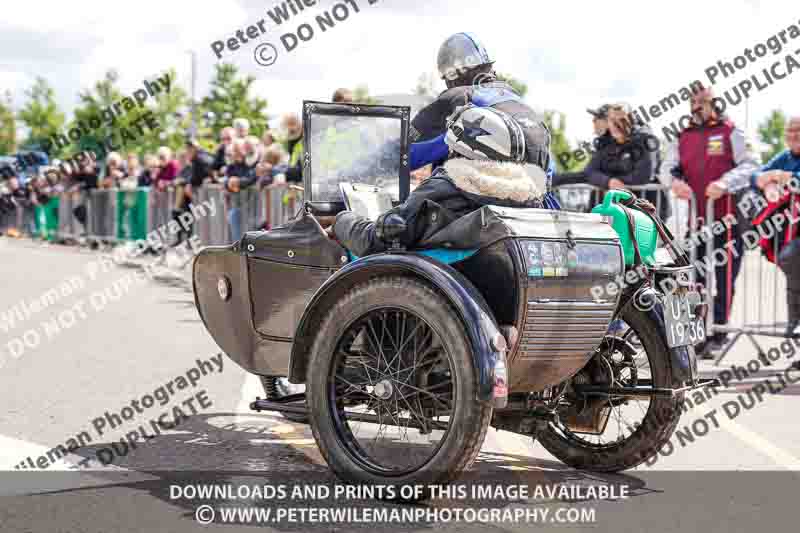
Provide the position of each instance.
(551, 202)
(426, 152)
(550, 199)
(776, 163)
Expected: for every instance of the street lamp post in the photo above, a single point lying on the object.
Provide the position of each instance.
(194, 100)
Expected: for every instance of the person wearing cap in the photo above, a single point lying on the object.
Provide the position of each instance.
(468, 71)
(712, 159)
(600, 119)
(626, 154)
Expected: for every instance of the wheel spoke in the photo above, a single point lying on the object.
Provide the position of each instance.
(422, 421)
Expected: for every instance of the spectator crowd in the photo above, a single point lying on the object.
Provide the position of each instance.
(240, 161)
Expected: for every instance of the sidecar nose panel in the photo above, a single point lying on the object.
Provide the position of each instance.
(219, 275)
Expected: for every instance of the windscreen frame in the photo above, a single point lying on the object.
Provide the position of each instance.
(313, 108)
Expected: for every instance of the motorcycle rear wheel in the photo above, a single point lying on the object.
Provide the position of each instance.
(645, 438)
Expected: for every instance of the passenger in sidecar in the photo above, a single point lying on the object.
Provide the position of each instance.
(486, 168)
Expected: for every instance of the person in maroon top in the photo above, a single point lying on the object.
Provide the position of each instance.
(713, 160)
(169, 168)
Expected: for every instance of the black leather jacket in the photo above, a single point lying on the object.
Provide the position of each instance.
(455, 190)
(633, 162)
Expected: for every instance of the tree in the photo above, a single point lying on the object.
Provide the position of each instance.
(361, 96)
(168, 109)
(520, 87)
(771, 134)
(8, 126)
(426, 86)
(41, 114)
(230, 98)
(559, 145)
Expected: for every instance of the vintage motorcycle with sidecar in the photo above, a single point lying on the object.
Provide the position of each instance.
(407, 357)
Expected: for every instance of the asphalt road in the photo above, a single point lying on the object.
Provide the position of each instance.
(112, 336)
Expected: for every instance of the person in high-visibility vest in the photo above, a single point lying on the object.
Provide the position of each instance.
(294, 146)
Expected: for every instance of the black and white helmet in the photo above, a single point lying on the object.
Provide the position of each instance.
(486, 133)
(459, 53)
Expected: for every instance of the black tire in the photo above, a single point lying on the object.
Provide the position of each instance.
(652, 433)
(272, 389)
(468, 418)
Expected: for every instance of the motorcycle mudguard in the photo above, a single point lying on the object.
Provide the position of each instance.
(683, 360)
(476, 317)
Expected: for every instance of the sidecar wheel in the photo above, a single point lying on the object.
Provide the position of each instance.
(635, 442)
(392, 388)
(275, 388)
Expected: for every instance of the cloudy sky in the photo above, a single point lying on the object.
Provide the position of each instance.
(571, 54)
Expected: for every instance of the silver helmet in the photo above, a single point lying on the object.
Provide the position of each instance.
(485, 133)
(459, 53)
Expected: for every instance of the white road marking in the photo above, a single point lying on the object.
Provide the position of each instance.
(778, 455)
(507, 443)
(14, 451)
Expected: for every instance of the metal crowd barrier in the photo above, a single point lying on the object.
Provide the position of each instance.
(683, 213)
(756, 300)
(159, 208)
(102, 216)
(12, 219)
(115, 215)
(7, 219)
(212, 229)
(69, 228)
(579, 198)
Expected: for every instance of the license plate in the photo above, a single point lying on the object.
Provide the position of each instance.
(684, 327)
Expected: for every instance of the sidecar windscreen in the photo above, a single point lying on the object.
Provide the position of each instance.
(357, 144)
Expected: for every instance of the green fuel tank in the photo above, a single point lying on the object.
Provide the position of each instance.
(645, 228)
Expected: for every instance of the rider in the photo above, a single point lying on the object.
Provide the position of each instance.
(468, 72)
(488, 164)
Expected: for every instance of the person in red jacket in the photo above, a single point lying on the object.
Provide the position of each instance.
(712, 159)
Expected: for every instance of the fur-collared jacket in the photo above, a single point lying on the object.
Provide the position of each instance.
(458, 188)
